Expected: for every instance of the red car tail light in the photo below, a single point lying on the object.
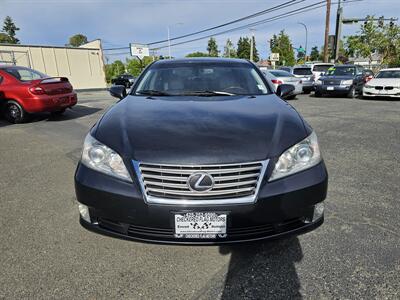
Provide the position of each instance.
(37, 90)
(276, 81)
(368, 78)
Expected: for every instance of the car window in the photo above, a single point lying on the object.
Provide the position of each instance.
(187, 78)
(341, 71)
(302, 71)
(281, 73)
(321, 68)
(388, 74)
(24, 74)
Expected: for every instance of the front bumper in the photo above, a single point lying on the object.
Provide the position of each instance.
(285, 206)
(333, 89)
(372, 92)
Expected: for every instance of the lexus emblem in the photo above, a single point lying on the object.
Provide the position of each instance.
(200, 182)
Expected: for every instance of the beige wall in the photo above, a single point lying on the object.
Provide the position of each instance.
(83, 66)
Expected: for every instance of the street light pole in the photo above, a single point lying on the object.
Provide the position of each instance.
(305, 27)
(169, 44)
(339, 19)
(169, 39)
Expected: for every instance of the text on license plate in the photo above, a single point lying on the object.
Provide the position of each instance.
(200, 225)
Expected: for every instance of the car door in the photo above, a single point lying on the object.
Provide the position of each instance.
(359, 79)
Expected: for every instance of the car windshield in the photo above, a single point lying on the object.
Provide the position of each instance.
(302, 71)
(321, 68)
(389, 74)
(280, 73)
(24, 74)
(341, 71)
(201, 79)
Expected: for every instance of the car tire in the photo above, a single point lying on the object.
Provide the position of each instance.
(317, 94)
(292, 97)
(307, 92)
(14, 112)
(352, 93)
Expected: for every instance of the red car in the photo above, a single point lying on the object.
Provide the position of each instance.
(24, 91)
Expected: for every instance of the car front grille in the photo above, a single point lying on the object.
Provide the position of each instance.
(229, 181)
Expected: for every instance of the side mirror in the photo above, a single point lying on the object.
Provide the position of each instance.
(285, 90)
(118, 91)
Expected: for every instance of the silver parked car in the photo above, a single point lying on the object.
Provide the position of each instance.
(305, 74)
(278, 77)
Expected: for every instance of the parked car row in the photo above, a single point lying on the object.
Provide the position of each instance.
(337, 80)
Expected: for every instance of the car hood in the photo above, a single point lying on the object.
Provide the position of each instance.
(200, 130)
(385, 81)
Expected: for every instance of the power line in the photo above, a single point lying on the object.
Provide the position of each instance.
(274, 18)
(265, 11)
(263, 21)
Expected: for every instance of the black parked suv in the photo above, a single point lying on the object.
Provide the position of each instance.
(201, 151)
(342, 80)
(126, 80)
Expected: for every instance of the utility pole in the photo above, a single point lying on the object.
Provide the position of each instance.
(328, 13)
(338, 32)
(251, 44)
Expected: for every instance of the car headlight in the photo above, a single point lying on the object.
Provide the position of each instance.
(299, 157)
(318, 82)
(346, 82)
(99, 157)
(368, 86)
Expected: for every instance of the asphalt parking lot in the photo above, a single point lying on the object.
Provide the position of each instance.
(45, 253)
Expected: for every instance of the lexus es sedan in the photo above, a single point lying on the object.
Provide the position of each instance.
(201, 151)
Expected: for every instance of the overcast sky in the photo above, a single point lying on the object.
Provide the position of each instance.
(119, 22)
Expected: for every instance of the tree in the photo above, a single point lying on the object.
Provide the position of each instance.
(114, 69)
(135, 66)
(281, 44)
(229, 49)
(375, 38)
(77, 40)
(4, 38)
(197, 54)
(212, 47)
(10, 29)
(256, 58)
(244, 47)
(314, 55)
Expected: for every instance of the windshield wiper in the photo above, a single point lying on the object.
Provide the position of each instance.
(152, 93)
(207, 93)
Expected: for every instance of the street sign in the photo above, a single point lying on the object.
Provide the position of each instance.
(139, 50)
(274, 57)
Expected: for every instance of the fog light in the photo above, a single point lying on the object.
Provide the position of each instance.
(318, 211)
(84, 212)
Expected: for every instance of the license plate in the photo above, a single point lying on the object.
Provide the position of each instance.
(200, 225)
(330, 88)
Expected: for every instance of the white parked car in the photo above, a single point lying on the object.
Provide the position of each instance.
(319, 68)
(278, 77)
(385, 84)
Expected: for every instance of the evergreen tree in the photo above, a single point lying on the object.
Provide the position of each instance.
(314, 55)
(77, 40)
(243, 48)
(10, 30)
(212, 47)
(281, 44)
